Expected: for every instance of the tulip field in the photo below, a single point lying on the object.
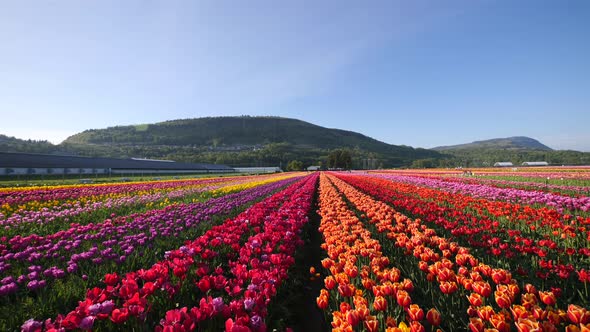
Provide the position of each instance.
(388, 250)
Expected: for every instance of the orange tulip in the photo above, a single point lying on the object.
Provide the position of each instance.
(502, 299)
(528, 300)
(433, 317)
(415, 312)
(519, 312)
(475, 299)
(394, 275)
(322, 302)
(476, 325)
(499, 276)
(577, 314)
(485, 312)
(416, 327)
(403, 298)
(448, 287)
(548, 298)
(368, 284)
(352, 318)
(344, 307)
(330, 282)
(527, 325)
(380, 303)
(472, 311)
(371, 324)
(351, 271)
(482, 288)
(530, 289)
(499, 322)
(572, 328)
(539, 313)
(391, 322)
(387, 289)
(550, 327)
(408, 285)
(363, 312)
(346, 290)
(327, 263)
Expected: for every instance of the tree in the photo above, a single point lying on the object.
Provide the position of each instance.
(295, 165)
(340, 158)
(424, 163)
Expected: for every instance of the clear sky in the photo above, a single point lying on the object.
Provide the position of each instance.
(419, 73)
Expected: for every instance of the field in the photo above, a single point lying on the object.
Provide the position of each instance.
(392, 250)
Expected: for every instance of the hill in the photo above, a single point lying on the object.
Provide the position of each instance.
(509, 143)
(516, 149)
(239, 141)
(12, 144)
(269, 141)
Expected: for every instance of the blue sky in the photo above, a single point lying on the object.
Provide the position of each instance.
(419, 73)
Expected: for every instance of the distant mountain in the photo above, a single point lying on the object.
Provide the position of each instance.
(509, 143)
(516, 149)
(241, 140)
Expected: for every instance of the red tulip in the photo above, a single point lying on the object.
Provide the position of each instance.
(111, 279)
(119, 316)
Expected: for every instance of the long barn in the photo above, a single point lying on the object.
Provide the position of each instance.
(41, 164)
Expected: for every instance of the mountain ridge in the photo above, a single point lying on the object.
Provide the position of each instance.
(513, 143)
(285, 138)
(245, 141)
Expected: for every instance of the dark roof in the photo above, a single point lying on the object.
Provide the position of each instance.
(31, 160)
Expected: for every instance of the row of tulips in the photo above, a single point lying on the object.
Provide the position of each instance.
(570, 190)
(569, 172)
(231, 271)
(42, 271)
(559, 202)
(48, 221)
(97, 242)
(253, 277)
(40, 211)
(526, 310)
(362, 291)
(36, 198)
(550, 244)
(559, 189)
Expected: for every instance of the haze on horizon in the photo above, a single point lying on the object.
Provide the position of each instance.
(419, 73)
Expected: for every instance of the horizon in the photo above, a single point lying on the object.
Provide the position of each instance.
(422, 74)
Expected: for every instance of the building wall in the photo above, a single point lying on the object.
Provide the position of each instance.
(257, 169)
(7, 171)
(4, 171)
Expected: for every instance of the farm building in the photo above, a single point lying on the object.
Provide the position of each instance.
(41, 164)
(503, 164)
(258, 170)
(313, 168)
(535, 163)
